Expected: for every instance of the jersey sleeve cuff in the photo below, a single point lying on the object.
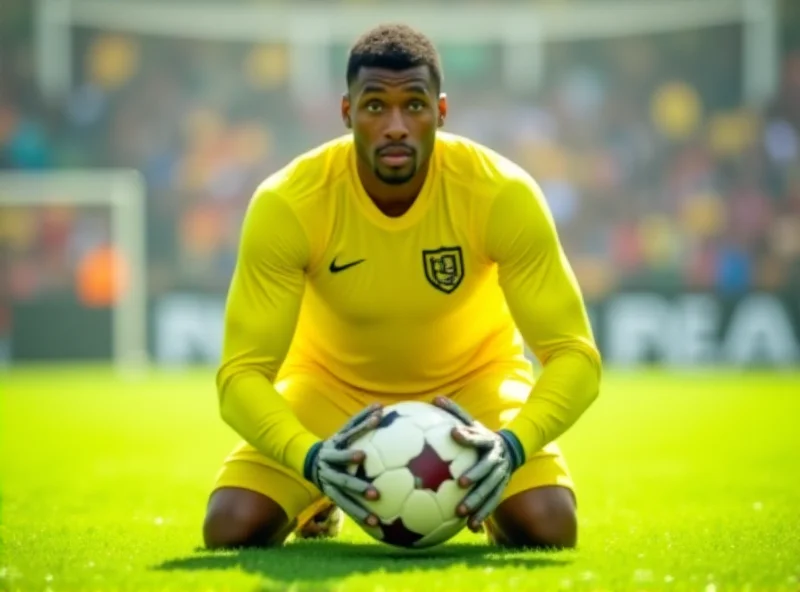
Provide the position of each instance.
(298, 452)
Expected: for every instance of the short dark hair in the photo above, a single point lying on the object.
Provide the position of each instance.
(394, 47)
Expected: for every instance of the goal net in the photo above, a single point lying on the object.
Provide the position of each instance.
(73, 254)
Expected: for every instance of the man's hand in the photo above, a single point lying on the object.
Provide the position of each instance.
(499, 455)
(327, 461)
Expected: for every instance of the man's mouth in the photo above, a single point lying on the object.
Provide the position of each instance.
(395, 156)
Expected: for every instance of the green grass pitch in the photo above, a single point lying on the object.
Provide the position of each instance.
(685, 482)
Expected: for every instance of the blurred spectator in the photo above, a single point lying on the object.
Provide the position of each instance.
(102, 276)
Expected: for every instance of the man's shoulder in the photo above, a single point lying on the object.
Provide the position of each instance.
(310, 173)
(477, 164)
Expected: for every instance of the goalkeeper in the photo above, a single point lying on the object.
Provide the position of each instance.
(398, 262)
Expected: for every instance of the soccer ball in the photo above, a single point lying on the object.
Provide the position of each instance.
(413, 461)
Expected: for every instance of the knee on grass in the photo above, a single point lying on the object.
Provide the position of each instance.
(239, 518)
(543, 518)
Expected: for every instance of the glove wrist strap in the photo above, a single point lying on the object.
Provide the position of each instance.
(311, 461)
(516, 452)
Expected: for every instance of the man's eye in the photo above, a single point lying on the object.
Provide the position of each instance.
(416, 106)
(374, 106)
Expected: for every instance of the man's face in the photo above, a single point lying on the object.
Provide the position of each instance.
(394, 115)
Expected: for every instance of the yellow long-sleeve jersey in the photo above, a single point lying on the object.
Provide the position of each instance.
(401, 307)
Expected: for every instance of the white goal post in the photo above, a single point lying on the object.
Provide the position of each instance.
(123, 193)
(309, 31)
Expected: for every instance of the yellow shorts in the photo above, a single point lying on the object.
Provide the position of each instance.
(493, 399)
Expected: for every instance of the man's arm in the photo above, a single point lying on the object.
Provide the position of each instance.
(260, 318)
(545, 301)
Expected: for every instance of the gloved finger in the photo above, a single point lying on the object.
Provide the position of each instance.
(489, 505)
(453, 408)
(483, 490)
(350, 483)
(348, 505)
(480, 469)
(361, 416)
(337, 456)
(480, 439)
(345, 436)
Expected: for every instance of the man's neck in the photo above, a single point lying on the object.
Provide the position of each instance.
(392, 200)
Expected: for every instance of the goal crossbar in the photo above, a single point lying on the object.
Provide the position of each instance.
(309, 31)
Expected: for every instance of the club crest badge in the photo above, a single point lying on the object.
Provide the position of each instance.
(444, 268)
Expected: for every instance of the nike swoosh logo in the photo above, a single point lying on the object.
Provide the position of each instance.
(337, 268)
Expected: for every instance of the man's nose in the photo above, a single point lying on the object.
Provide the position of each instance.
(396, 128)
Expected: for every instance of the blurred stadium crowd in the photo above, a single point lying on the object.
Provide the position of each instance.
(658, 175)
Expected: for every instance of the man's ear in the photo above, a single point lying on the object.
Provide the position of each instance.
(348, 122)
(442, 109)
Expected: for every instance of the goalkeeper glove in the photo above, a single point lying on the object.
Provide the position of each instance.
(327, 461)
(499, 455)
